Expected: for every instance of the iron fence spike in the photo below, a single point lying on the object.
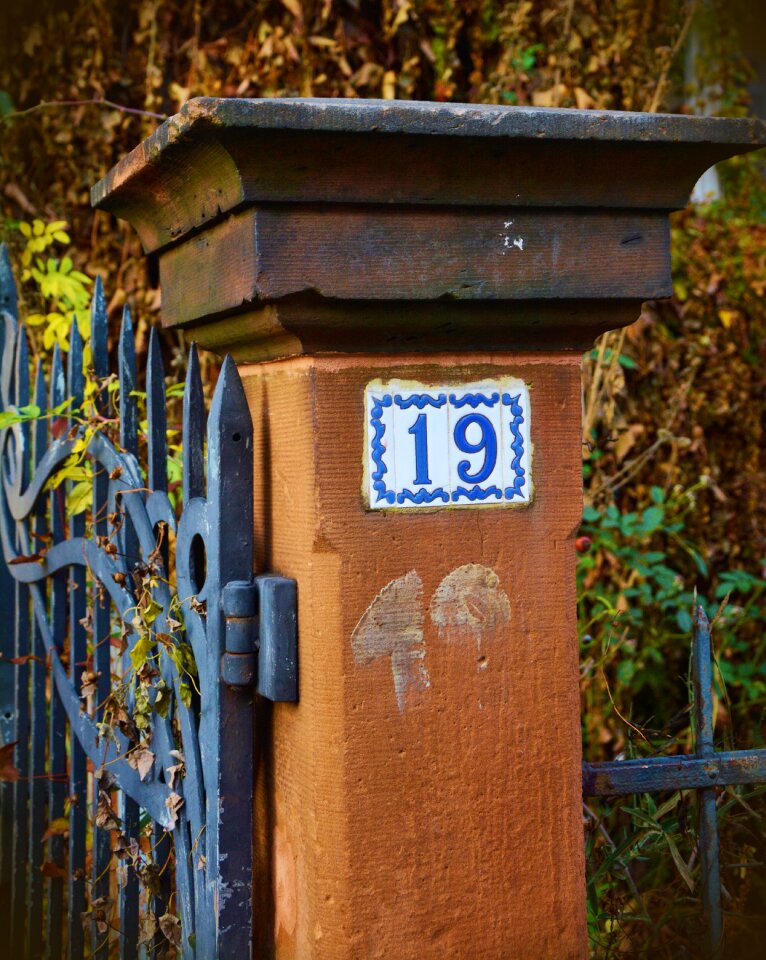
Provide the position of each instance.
(8, 294)
(75, 377)
(156, 403)
(194, 427)
(99, 330)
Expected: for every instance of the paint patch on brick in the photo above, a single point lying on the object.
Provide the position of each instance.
(470, 602)
(392, 626)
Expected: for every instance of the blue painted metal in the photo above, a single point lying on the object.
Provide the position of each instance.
(101, 666)
(57, 761)
(21, 649)
(653, 774)
(184, 760)
(707, 831)
(706, 770)
(157, 471)
(7, 605)
(240, 664)
(38, 732)
(78, 646)
(127, 808)
(278, 647)
(261, 644)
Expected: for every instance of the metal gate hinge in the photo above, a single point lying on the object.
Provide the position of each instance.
(261, 643)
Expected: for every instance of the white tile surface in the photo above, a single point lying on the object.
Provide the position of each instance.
(449, 445)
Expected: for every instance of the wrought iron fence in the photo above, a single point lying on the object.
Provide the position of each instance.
(704, 771)
(126, 704)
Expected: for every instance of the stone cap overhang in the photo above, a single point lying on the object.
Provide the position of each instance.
(240, 151)
(301, 223)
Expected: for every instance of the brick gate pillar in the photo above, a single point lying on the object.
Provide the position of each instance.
(408, 289)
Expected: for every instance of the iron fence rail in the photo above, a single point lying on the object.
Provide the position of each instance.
(704, 771)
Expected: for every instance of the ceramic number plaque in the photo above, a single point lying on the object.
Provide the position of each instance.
(447, 446)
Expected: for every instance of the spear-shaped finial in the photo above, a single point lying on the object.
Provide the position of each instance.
(8, 298)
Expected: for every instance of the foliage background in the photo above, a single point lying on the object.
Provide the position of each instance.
(673, 407)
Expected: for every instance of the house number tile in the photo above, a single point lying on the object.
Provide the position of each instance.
(456, 445)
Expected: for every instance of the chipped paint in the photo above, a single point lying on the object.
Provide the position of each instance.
(509, 240)
(470, 600)
(392, 626)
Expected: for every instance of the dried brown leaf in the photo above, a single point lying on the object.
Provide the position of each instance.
(171, 928)
(142, 760)
(8, 772)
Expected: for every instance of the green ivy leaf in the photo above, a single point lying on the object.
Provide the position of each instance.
(141, 650)
(161, 699)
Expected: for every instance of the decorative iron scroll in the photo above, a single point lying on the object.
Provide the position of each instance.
(125, 733)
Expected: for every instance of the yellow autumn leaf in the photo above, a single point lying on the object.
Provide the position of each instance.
(401, 17)
(389, 85)
(295, 8)
(551, 97)
(56, 827)
(179, 94)
(583, 99)
(727, 317)
(80, 497)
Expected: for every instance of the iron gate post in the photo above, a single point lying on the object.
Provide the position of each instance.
(408, 289)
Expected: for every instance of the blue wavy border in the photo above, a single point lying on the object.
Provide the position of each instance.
(419, 400)
(517, 446)
(476, 493)
(379, 484)
(423, 496)
(473, 400)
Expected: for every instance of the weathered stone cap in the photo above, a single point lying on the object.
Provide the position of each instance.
(218, 155)
(341, 115)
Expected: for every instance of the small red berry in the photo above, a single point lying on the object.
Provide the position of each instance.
(583, 544)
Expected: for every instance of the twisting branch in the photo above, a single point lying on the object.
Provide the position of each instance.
(94, 101)
(659, 91)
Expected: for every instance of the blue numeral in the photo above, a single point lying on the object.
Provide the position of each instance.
(488, 444)
(419, 431)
